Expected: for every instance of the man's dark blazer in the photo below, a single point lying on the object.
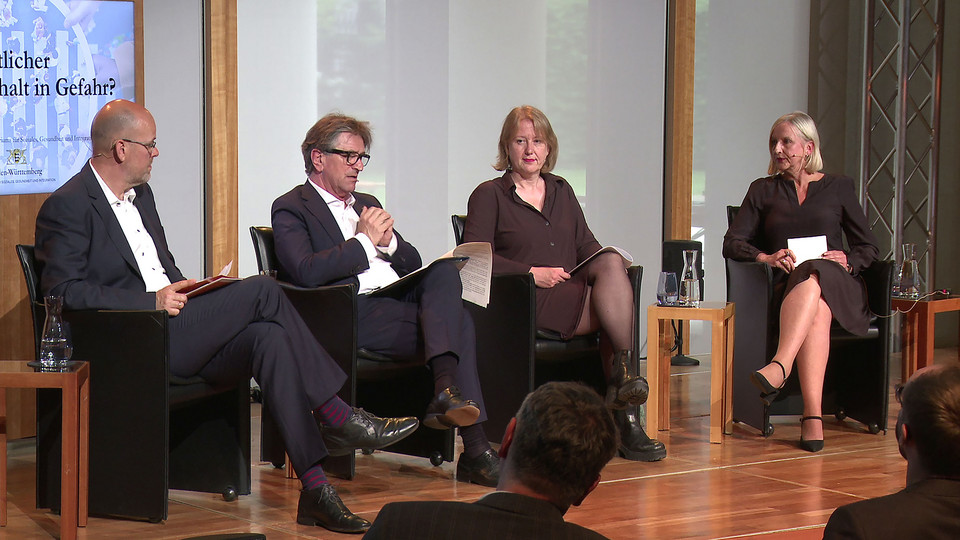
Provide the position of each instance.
(84, 254)
(499, 515)
(301, 218)
(929, 509)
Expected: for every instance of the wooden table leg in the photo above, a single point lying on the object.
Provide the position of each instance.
(729, 325)
(718, 357)
(925, 336)
(653, 374)
(70, 452)
(84, 476)
(908, 344)
(3, 458)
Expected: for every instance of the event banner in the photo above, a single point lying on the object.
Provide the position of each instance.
(59, 63)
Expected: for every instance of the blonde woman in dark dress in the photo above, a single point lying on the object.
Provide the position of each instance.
(535, 224)
(797, 201)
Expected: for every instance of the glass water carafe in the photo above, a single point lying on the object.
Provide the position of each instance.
(690, 284)
(55, 346)
(909, 276)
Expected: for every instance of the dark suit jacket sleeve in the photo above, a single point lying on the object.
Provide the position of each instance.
(79, 260)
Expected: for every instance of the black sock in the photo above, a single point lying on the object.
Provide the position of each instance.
(444, 372)
(474, 440)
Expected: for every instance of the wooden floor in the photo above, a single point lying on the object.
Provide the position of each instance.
(746, 487)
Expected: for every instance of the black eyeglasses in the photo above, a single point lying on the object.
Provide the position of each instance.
(149, 146)
(898, 392)
(351, 157)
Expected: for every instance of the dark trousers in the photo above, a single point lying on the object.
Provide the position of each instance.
(249, 328)
(426, 320)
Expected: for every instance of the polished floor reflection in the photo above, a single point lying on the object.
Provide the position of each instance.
(746, 487)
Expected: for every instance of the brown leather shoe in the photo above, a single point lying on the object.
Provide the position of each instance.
(322, 507)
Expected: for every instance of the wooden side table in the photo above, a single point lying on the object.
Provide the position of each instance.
(74, 384)
(918, 331)
(721, 316)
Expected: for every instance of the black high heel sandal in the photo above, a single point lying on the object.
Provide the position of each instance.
(812, 445)
(768, 391)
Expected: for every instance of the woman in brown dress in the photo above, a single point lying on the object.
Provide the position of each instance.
(535, 224)
(800, 201)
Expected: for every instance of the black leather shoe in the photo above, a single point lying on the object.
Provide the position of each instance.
(449, 409)
(483, 469)
(624, 387)
(367, 432)
(635, 445)
(322, 507)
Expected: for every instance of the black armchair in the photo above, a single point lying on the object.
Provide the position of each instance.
(515, 357)
(149, 431)
(857, 377)
(377, 383)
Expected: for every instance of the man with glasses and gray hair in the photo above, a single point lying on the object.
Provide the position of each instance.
(928, 435)
(327, 233)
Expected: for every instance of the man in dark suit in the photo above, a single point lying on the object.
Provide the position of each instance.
(551, 457)
(326, 233)
(100, 244)
(928, 434)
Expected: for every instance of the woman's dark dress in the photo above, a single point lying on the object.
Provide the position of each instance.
(522, 237)
(771, 213)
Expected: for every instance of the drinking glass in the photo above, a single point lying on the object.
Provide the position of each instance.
(667, 292)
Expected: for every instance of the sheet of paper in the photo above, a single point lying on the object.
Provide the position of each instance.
(627, 258)
(808, 247)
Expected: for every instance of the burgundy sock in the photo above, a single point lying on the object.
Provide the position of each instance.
(334, 412)
(314, 477)
(444, 372)
(474, 440)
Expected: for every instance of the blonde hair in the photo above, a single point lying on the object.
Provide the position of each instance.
(807, 129)
(541, 126)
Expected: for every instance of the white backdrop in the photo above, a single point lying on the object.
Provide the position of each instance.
(750, 70)
(436, 78)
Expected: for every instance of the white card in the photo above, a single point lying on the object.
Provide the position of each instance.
(806, 248)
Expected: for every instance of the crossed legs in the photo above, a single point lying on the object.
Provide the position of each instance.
(805, 340)
(609, 307)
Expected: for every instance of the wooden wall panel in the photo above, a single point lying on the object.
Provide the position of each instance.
(221, 133)
(678, 162)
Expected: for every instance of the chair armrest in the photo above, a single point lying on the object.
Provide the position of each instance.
(878, 278)
(330, 313)
(128, 353)
(505, 347)
(750, 287)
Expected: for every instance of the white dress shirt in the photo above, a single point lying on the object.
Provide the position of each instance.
(141, 243)
(381, 272)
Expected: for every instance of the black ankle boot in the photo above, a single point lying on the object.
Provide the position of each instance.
(624, 388)
(635, 445)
